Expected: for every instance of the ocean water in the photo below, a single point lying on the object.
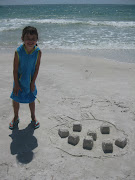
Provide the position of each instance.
(76, 27)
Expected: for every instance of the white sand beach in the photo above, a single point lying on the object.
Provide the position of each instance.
(71, 88)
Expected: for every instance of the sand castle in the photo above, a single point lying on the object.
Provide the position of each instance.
(88, 141)
(106, 138)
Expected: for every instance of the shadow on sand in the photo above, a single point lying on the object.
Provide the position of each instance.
(23, 142)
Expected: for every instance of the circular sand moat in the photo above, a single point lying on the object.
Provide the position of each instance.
(91, 138)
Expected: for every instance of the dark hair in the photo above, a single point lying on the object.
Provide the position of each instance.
(29, 30)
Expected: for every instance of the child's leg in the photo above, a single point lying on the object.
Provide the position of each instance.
(32, 110)
(34, 120)
(16, 117)
(16, 109)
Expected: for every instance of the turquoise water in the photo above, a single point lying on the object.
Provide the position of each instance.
(79, 27)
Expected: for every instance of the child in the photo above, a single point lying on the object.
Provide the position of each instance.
(25, 70)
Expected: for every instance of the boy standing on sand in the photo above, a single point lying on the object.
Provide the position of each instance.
(25, 70)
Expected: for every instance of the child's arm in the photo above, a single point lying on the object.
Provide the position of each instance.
(15, 74)
(32, 86)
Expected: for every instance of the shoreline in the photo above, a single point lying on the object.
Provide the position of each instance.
(118, 55)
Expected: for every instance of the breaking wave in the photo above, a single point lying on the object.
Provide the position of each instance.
(13, 24)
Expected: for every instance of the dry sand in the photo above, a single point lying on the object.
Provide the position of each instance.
(71, 88)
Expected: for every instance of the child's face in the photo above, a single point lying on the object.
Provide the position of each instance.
(30, 40)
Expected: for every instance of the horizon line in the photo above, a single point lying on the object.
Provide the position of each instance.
(66, 4)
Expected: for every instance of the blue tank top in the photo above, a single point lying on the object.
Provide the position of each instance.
(26, 69)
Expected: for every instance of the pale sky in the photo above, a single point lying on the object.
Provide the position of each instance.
(22, 2)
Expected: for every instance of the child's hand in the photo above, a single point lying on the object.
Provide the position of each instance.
(16, 89)
(32, 87)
